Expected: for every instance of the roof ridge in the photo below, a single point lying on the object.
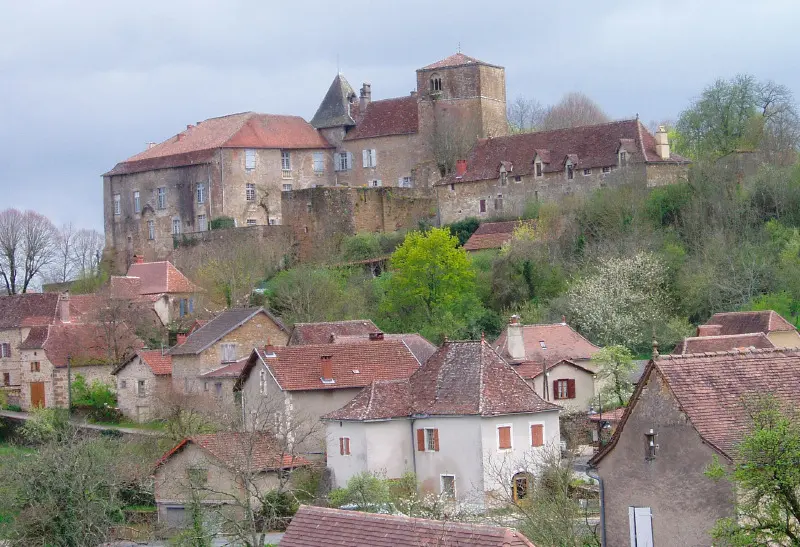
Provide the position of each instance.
(732, 352)
(641, 139)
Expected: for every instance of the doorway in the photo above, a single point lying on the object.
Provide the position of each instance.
(37, 395)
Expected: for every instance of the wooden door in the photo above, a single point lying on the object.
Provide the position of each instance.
(37, 394)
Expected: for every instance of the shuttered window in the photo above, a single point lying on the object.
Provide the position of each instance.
(537, 434)
(640, 522)
(344, 446)
(504, 437)
(5, 349)
(564, 388)
(249, 159)
(428, 439)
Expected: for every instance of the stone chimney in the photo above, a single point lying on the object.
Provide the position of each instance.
(63, 307)
(514, 339)
(709, 330)
(365, 96)
(189, 126)
(326, 362)
(151, 145)
(461, 168)
(138, 259)
(374, 336)
(662, 143)
(181, 338)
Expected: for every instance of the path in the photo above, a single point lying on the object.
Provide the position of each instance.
(125, 430)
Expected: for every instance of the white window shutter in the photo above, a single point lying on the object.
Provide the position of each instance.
(373, 157)
(400, 181)
(349, 160)
(365, 157)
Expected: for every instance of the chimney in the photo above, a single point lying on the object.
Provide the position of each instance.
(63, 303)
(563, 319)
(189, 126)
(365, 96)
(709, 330)
(326, 361)
(375, 336)
(138, 259)
(461, 168)
(514, 340)
(179, 137)
(181, 338)
(662, 143)
(151, 145)
(414, 93)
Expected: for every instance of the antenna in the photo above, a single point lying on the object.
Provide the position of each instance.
(338, 71)
(459, 46)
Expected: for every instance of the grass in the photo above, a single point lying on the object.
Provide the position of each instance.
(12, 450)
(153, 425)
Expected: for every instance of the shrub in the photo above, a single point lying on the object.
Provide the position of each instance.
(664, 204)
(96, 395)
(463, 229)
(220, 223)
(277, 510)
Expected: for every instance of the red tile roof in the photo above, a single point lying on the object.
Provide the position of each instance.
(320, 333)
(160, 277)
(458, 59)
(712, 389)
(314, 526)
(124, 287)
(160, 363)
(29, 309)
(492, 235)
(231, 370)
(419, 346)
(461, 378)
(398, 116)
(610, 416)
(243, 451)
(594, 145)
(532, 369)
(745, 322)
(86, 343)
(561, 342)
(702, 344)
(245, 130)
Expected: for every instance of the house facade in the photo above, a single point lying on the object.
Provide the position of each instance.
(142, 381)
(465, 423)
(501, 175)
(686, 410)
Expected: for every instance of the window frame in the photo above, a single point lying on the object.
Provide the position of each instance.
(286, 160)
(587, 172)
(570, 171)
(141, 388)
(344, 446)
(510, 447)
(176, 226)
(5, 349)
(117, 205)
(605, 170)
(223, 355)
(530, 434)
(200, 193)
(151, 230)
(202, 223)
(482, 206)
(503, 178)
(137, 202)
(441, 487)
(538, 171)
(318, 160)
(430, 438)
(250, 191)
(251, 222)
(289, 189)
(123, 383)
(249, 159)
(36, 366)
(405, 182)
(161, 197)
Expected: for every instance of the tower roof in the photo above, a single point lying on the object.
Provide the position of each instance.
(458, 59)
(334, 110)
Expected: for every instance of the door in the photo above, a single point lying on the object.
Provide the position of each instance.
(176, 517)
(640, 520)
(37, 394)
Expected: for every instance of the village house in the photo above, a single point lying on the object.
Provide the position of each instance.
(722, 342)
(686, 410)
(291, 387)
(555, 359)
(465, 423)
(224, 340)
(216, 469)
(778, 330)
(141, 381)
(493, 235)
(321, 332)
(312, 526)
(501, 175)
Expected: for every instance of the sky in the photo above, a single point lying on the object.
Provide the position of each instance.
(86, 84)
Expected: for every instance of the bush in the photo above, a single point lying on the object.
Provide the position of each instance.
(463, 229)
(105, 414)
(96, 395)
(14, 408)
(220, 223)
(277, 511)
(664, 204)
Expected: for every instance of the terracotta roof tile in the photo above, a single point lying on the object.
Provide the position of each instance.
(702, 344)
(86, 343)
(231, 370)
(125, 287)
(532, 369)
(398, 116)
(419, 346)
(218, 327)
(594, 146)
(245, 130)
(458, 59)
(314, 526)
(560, 340)
(28, 309)
(745, 322)
(160, 363)
(320, 333)
(492, 235)
(611, 416)
(157, 278)
(461, 378)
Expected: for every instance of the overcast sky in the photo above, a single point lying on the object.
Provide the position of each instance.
(85, 84)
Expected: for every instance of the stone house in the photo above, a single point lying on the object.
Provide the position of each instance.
(723, 342)
(291, 387)
(555, 359)
(215, 468)
(493, 235)
(141, 381)
(501, 175)
(317, 525)
(686, 409)
(465, 423)
(323, 331)
(778, 330)
(225, 339)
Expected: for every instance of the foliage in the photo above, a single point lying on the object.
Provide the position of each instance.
(46, 425)
(95, 395)
(220, 223)
(367, 245)
(664, 204)
(463, 229)
(573, 110)
(277, 510)
(363, 490)
(766, 477)
(615, 364)
(781, 302)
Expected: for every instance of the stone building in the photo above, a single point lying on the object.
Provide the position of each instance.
(141, 381)
(501, 175)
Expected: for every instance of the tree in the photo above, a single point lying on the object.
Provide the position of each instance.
(766, 478)
(431, 286)
(63, 267)
(27, 246)
(740, 113)
(451, 140)
(616, 366)
(573, 110)
(524, 115)
(87, 250)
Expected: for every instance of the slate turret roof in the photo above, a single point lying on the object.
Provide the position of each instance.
(334, 110)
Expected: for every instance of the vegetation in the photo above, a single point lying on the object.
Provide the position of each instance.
(615, 367)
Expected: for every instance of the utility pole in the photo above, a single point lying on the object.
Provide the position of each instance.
(69, 385)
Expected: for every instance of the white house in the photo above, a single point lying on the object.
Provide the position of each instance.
(466, 422)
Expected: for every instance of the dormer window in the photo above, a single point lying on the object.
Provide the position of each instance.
(538, 169)
(623, 158)
(436, 83)
(570, 171)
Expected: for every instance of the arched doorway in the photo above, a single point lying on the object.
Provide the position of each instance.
(521, 484)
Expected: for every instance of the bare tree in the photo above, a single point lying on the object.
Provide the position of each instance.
(27, 246)
(87, 249)
(63, 266)
(524, 115)
(573, 110)
(452, 138)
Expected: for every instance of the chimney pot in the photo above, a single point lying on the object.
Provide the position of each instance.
(64, 307)
(181, 338)
(138, 259)
(189, 126)
(151, 145)
(461, 168)
(376, 336)
(662, 143)
(365, 96)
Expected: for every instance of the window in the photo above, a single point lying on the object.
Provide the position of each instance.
(623, 157)
(186, 306)
(319, 163)
(250, 191)
(272, 221)
(287, 187)
(140, 390)
(538, 169)
(520, 485)
(448, 487)
(504, 437)
(606, 170)
(201, 193)
(117, 205)
(503, 178)
(404, 182)
(151, 229)
(537, 435)
(137, 203)
(369, 157)
(344, 446)
(197, 476)
(251, 222)
(452, 187)
(517, 178)
(498, 203)
(36, 366)
(482, 206)
(640, 521)
(205, 386)
(123, 384)
(262, 382)
(6, 378)
(570, 172)
(344, 161)
(5, 349)
(286, 160)
(249, 159)
(650, 445)
(375, 183)
(436, 83)
(587, 172)
(218, 389)
(564, 389)
(202, 223)
(176, 226)
(228, 352)
(431, 440)
(161, 198)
